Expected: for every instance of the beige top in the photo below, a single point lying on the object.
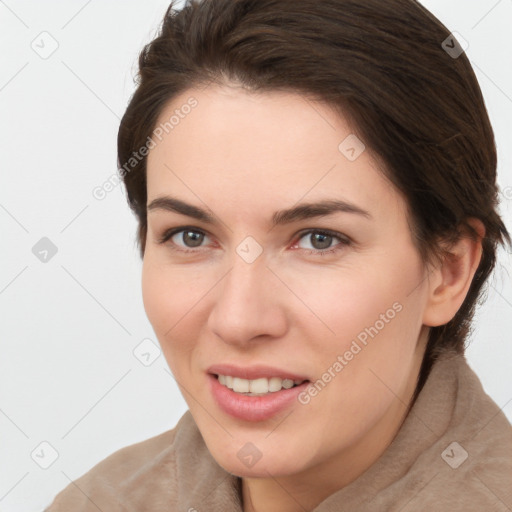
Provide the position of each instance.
(453, 453)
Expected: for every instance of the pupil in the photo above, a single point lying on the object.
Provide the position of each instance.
(196, 238)
(323, 240)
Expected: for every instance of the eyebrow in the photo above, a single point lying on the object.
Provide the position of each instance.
(280, 217)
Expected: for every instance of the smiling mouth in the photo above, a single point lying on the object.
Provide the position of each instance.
(257, 387)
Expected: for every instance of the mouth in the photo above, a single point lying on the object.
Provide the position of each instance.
(257, 387)
(254, 394)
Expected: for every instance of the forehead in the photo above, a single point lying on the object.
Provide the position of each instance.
(262, 151)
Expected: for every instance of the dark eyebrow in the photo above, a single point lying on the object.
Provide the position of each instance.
(296, 213)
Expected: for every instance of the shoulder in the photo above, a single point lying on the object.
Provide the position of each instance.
(127, 472)
(470, 465)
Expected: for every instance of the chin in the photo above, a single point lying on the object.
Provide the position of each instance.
(249, 462)
(260, 469)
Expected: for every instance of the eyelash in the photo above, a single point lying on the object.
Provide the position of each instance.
(345, 241)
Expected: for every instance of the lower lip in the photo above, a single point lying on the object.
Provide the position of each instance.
(253, 408)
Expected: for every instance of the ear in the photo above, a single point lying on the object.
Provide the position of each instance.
(449, 283)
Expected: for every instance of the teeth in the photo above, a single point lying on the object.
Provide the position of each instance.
(260, 386)
(241, 385)
(288, 383)
(275, 384)
(257, 385)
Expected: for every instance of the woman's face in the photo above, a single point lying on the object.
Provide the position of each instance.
(259, 293)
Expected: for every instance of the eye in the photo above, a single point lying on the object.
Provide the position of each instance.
(188, 239)
(189, 236)
(321, 241)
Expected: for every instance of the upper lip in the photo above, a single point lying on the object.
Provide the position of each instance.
(254, 372)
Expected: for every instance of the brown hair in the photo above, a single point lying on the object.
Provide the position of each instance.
(417, 107)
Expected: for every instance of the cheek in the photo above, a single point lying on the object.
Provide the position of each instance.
(153, 295)
(165, 308)
(173, 299)
(372, 306)
(346, 302)
(163, 297)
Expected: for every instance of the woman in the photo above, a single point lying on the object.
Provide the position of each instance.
(315, 189)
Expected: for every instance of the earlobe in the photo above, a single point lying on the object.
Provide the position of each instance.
(449, 283)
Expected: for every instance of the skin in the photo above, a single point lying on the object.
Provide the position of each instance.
(243, 156)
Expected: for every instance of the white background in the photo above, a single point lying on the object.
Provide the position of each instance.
(69, 326)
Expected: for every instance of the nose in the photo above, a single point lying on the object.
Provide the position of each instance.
(248, 303)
